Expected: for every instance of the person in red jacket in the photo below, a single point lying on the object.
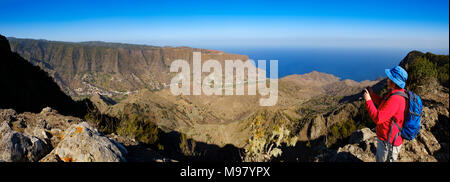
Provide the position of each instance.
(384, 110)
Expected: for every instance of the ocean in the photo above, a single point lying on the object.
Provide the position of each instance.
(355, 64)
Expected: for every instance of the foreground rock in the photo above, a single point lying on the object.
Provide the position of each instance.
(16, 147)
(47, 125)
(361, 147)
(83, 143)
(50, 137)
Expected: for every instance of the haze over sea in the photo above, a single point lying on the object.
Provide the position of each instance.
(347, 63)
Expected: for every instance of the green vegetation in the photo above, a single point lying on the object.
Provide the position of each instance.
(209, 138)
(308, 144)
(104, 123)
(160, 147)
(137, 123)
(442, 66)
(363, 119)
(139, 127)
(340, 131)
(420, 72)
(263, 147)
(425, 68)
(132, 122)
(443, 75)
(187, 146)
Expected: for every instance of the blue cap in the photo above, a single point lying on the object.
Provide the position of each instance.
(398, 75)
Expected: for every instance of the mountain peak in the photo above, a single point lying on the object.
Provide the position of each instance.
(317, 75)
(410, 57)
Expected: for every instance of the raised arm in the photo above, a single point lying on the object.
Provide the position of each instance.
(385, 111)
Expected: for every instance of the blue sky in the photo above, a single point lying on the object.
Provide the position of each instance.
(402, 24)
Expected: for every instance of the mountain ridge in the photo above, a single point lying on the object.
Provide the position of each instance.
(110, 68)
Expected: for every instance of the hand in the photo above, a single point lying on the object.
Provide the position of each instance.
(367, 95)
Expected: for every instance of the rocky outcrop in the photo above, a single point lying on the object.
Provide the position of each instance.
(361, 147)
(361, 135)
(83, 143)
(416, 150)
(47, 125)
(16, 147)
(318, 127)
(50, 137)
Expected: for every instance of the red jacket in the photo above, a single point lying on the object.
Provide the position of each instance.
(394, 107)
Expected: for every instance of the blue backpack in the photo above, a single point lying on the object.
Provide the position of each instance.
(413, 113)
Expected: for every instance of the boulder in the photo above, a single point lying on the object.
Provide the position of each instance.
(361, 135)
(83, 143)
(48, 110)
(38, 129)
(353, 153)
(362, 148)
(16, 147)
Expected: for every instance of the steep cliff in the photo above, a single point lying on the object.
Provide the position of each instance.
(113, 69)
